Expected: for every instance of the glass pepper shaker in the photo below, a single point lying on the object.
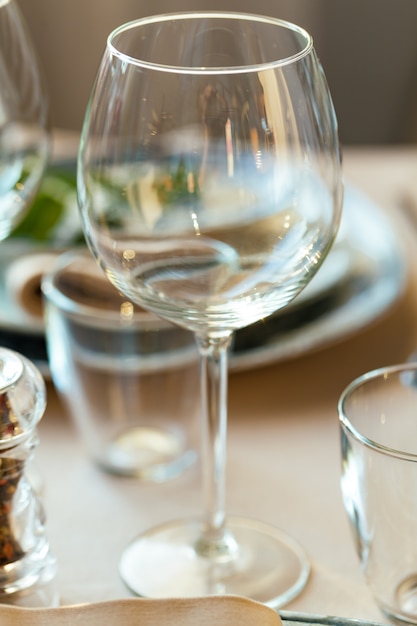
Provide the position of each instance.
(27, 567)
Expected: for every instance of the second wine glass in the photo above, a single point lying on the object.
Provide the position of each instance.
(210, 192)
(24, 122)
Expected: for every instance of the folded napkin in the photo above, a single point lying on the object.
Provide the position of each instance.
(208, 611)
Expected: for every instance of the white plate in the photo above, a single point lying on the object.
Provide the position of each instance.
(361, 278)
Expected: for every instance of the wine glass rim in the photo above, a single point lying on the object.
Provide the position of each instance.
(346, 423)
(232, 15)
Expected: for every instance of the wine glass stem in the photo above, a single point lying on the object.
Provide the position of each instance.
(215, 541)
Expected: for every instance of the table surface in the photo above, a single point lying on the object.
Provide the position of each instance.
(283, 447)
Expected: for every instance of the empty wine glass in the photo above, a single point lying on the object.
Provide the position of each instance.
(24, 135)
(210, 192)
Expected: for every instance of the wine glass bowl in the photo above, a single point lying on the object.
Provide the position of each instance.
(210, 192)
(24, 133)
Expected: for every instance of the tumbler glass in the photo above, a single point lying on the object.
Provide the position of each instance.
(129, 379)
(378, 419)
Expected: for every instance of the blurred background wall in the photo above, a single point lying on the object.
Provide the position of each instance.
(368, 49)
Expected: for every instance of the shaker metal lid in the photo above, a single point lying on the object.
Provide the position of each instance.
(22, 397)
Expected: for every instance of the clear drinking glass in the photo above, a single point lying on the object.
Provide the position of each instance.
(210, 192)
(24, 135)
(377, 414)
(127, 377)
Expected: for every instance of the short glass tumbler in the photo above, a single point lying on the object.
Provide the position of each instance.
(378, 419)
(128, 379)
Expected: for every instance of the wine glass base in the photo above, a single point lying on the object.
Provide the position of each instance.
(269, 566)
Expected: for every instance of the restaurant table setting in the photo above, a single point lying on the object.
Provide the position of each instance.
(118, 464)
(284, 458)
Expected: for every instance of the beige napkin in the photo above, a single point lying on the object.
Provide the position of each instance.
(209, 611)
